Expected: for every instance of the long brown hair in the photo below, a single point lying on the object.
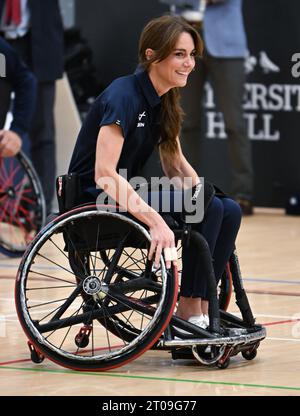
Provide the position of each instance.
(161, 35)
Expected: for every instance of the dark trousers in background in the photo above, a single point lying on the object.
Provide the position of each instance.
(42, 137)
(227, 77)
(5, 91)
(42, 132)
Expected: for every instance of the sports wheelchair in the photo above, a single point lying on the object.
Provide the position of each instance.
(22, 204)
(89, 299)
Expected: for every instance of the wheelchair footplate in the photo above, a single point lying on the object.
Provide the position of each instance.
(215, 349)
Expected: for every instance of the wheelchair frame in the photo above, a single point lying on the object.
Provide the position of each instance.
(22, 204)
(125, 308)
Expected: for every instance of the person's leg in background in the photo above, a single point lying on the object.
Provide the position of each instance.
(228, 80)
(42, 135)
(5, 92)
(191, 101)
(42, 132)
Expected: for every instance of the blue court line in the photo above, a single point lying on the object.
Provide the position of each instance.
(255, 279)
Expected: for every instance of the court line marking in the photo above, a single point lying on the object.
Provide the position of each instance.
(263, 315)
(267, 280)
(281, 322)
(272, 292)
(98, 374)
(282, 339)
(23, 360)
(249, 279)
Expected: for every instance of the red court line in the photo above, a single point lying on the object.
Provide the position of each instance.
(281, 322)
(15, 361)
(28, 359)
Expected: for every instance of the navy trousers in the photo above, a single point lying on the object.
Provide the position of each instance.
(219, 227)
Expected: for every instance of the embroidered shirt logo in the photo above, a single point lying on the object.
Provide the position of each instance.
(140, 124)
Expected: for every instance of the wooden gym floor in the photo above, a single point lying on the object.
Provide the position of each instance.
(268, 247)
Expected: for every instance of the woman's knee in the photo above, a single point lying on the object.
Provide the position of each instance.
(232, 211)
(215, 209)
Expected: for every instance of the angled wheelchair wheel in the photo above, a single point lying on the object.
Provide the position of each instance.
(86, 294)
(22, 204)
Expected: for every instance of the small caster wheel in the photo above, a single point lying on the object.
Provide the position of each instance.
(249, 354)
(223, 364)
(36, 357)
(82, 341)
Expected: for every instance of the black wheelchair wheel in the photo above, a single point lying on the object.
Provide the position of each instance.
(85, 313)
(22, 204)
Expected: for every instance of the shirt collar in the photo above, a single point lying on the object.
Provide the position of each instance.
(147, 87)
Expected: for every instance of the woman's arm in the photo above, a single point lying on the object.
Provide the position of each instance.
(109, 146)
(180, 169)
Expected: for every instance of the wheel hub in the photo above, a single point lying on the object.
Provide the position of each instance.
(11, 192)
(93, 286)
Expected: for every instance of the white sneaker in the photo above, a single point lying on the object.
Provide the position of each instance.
(199, 320)
(202, 321)
(206, 320)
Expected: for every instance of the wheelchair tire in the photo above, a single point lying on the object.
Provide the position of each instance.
(22, 204)
(64, 290)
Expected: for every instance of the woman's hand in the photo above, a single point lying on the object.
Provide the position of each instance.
(10, 143)
(161, 237)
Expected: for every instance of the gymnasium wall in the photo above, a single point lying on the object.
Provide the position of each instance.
(272, 98)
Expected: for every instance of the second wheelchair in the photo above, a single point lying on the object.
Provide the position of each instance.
(22, 204)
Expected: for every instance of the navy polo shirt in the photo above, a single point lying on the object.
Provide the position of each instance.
(132, 103)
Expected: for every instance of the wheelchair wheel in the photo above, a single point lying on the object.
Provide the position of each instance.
(86, 294)
(22, 204)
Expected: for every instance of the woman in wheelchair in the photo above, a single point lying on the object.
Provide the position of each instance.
(134, 114)
(109, 291)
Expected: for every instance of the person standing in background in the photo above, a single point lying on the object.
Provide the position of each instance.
(221, 22)
(34, 29)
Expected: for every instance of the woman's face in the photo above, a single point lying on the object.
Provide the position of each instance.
(174, 70)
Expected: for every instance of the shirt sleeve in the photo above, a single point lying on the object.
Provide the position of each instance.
(118, 108)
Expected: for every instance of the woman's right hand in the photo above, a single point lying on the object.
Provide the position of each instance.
(10, 143)
(161, 237)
